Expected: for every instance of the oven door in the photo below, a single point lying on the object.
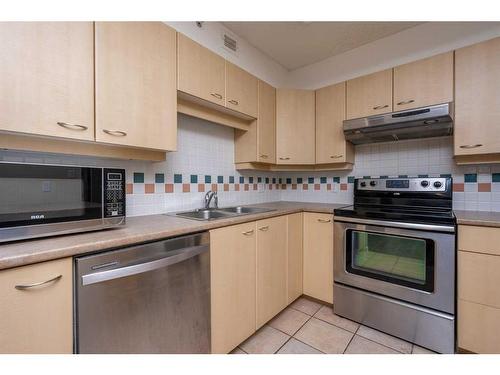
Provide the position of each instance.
(37, 199)
(416, 266)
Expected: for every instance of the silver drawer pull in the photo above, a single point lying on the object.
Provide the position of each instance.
(72, 126)
(218, 96)
(381, 106)
(34, 285)
(264, 228)
(324, 221)
(471, 146)
(235, 102)
(284, 158)
(116, 133)
(264, 156)
(406, 102)
(336, 156)
(248, 233)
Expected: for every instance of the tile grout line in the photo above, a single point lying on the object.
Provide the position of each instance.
(376, 342)
(290, 336)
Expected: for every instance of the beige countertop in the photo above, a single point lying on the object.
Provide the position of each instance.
(138, 229)
(481, 218)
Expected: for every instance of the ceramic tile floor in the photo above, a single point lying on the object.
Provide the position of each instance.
(308, 327)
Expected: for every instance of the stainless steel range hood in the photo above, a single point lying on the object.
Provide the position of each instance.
(426, 122)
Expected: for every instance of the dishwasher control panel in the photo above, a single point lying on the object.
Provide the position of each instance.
(114, 192)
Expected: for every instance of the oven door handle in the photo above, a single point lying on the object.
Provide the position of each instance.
(398, 224)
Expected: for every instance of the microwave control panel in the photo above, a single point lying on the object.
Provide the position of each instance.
(114, 192)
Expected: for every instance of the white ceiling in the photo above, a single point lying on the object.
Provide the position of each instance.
(297, 44)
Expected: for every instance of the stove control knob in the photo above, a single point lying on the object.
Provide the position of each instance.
(424, 183)
(437, 184)
(373, 183)
(363, 184)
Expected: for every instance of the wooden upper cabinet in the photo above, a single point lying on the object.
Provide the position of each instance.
(233, 285)
(424, 82)
(477, 99)
(369, 95)
(271, 268)
(241, 90)
(136, 97)
(331, 146)
(266, 124)
(295, 126)
(47, 78)
(37, 319)
(201, 72)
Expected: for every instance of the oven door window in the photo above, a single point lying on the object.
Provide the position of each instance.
(401, 260)
(44, 194)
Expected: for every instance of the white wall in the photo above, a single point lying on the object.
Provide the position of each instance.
(247, 57)
(409, 45)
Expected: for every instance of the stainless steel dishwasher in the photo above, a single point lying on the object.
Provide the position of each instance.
(150, 298)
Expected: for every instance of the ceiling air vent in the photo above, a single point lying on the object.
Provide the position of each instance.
(230, 43)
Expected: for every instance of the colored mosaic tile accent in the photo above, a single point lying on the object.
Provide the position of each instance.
(169, 188)
(226, 187)
(305, 187)
(288, 181)
(369, 176)
(201, 188)
(458, 187)
(317, 186)
(149, 188)
(328, 186)
(250, 179)
(423, 175)
(220, 179)
(231, 179)
(194, 179)
(237, 187)
(299, 180)
(495, 177)
(484, 187)
(384, 176)
(280, 180)
(208, 179)
(274, 180)
(322, 180)
(336, 180)
(159, 178)
(259, 179)
(129, 188)
(294, 186)
(350, 179)
(138, 178)
(470, 177)
(246, 187)
(177, 179)
(186, 188)
(242, 180)
(343, 187)
(403, 176)
(214, 187)
(310, 180)
(446, 175)
(267, 180)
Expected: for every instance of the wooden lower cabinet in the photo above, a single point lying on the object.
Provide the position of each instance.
(478, 328)
(271, 268)
(318, 256)
(295, 256)
(38, 319)
(233, 285)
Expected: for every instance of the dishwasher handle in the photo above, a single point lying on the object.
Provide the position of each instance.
(187, 253)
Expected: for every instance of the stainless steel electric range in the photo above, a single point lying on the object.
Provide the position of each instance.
(395, 259)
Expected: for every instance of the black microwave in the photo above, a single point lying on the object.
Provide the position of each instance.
(38, 200)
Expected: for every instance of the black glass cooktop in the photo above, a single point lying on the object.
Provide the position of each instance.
(425, 215)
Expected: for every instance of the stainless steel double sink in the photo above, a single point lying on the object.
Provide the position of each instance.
(220, 213)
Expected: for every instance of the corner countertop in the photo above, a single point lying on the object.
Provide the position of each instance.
(479, 218)
(137, 230)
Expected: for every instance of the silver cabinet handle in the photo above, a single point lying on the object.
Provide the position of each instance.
(218, 96)
(471, 146)
(34, 285)
(116, 133)
(284, 158)
(265, 228)
(235, 102)
(72, 126)
(406, 102)
(324, 221)
(336, 156)
(381, 106)
(264, 156)
(248, 233)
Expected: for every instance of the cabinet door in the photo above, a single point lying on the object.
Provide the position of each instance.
(478, 327)
(47, 78)
(477, 99)
(266, 124)
(241, 90)
(331, 146)
(424, 82)
(318, 256)
(295, 256)
(271, 268)
(295, 126)
(201, 72)
(37, 319)
(136, 97)
(369, 95)
(233, 281)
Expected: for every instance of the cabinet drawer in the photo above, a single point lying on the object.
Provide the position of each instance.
(478, 327)
(479, 239)
(478, 278)
(37, 319)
